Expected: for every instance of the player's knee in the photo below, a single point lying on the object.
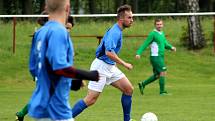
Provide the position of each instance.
(129, 90)
(90, 100)
(156, 76)
(163, 73)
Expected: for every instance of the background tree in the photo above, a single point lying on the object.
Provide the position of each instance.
(134, 4)
(206, 5)
(92, 7)
(119, 3)
(196, 38)
(27, 6)
(1, 6)
(149, 4)
(103, 6)
(76, 6)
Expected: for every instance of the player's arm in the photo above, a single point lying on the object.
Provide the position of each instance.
(110, 47)
(72, 72)
(77, 76)
(113, 56)
(145, 44)
(169, 46)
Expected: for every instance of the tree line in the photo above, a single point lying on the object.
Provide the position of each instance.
(194, 38)
(105, 6)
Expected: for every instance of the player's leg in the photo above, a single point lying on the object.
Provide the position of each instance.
(142, 84)
(152, 78)
(161, 69)
(82, 104)
(126, 88)
(94, 89)
(162, 83)
(21, 114)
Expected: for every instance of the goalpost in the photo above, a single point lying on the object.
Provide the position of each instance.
(108, 15)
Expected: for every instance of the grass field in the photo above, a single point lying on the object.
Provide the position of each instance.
(190, 77)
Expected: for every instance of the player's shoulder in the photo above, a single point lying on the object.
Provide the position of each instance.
(41, 32)
(152, 33)
(115, 33)
(115, 30)
(116, 27)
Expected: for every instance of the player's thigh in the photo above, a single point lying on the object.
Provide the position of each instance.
(158, 65)
(124, 85)
(98, 86)
(163, 73)
(94, 90)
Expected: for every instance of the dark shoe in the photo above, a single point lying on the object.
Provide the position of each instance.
(141, 87)
(19, 118)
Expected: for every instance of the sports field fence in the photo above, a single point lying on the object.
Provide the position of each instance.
(98, 16)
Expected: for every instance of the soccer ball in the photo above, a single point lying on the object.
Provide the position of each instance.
(149, 117)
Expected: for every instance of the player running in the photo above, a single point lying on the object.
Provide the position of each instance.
(105, 63)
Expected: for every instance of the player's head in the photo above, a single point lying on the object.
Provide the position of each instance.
(68, 26)
(42, 20)
(124, 16)
(71, 21)
(58, 6)
(158, 24)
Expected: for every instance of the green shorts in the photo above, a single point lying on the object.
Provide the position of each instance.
(158, 64)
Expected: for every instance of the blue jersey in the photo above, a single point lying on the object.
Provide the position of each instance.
(51, 50)
(112, 41)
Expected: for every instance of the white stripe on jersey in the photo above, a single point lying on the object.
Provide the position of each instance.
(154, 49)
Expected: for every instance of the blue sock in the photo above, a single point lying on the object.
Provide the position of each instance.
(78, 108)
(126, 101)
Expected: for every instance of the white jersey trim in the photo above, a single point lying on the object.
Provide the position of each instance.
(154, 49)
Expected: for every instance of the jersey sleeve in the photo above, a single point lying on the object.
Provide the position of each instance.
(111, 41)
(57, 49)
(145, 44)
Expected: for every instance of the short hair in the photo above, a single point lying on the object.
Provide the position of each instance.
(42, 20)
(121, 10)
(55, 5)
(157, 20)
(71, 20)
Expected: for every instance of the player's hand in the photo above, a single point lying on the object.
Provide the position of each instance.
(137, 56)
(174, 49)
(128, 66)
(76, 84)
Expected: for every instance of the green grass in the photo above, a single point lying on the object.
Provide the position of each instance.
(190, 77)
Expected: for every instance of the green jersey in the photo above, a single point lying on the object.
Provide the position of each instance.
(158, 43)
